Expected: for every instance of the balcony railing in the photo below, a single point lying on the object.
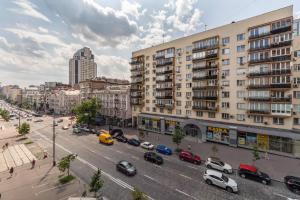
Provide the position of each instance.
(281, 30)
(281, 85)
(210, 56)
(259, 48)
(205, 108)
(197, 49)
(165, 97)
(165, 80)
(283, 71)
(205, 77)
(137, 69)
(136, 75)
(281, 99)
(164, 88)
(259, 98)
(164, 63)
(256, 61)
(281, 44)
(165, 72)
(259, 112)
(281, 58)
(199, 68)
(259, 35)
(252, 86)
(212, 98)
(207, 87)
(267, 73)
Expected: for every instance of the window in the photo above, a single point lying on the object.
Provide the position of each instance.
(147, 109)
(178, 94)
(240, 36)
(296, 108)
(240, 48)
(297, 94)
(281, 108)
(188, 58)
(225, 62)
(225, 94)
(226, 51)
(225, 116)
(241, 106)
(225, 40)
(225, 72)
(188, 49)
(178, 103)
(225, 83)
(225, 104)
(188, 104)
(188, 85)
(296, 121)
(161, 110)
(188, 112)
(241, 94)
(188, 94)
(178, 60)
(240, 117)
(297, 67)
(153, 109)
(297, 53)
(258, 119)
(188, 66)
(188, 76)
(178, 112)
(199, 114)
(240, 82)
(241, 60)
(178, 69)
(211, 115)
(278, 121)
(296, 80)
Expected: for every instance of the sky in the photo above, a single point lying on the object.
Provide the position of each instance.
(38, 37)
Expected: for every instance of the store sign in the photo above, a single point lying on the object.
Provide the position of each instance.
(241, 141)
(217, 130)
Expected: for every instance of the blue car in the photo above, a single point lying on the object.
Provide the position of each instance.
(163, 149)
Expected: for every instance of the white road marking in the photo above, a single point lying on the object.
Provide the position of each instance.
(108, 158)
(186, 194)
(157, 166)
(281, 195)
(66, 197)
(187, 177)
(117, 181)
(40, 185)
(119, 151)
(149, 177)
(192, 167)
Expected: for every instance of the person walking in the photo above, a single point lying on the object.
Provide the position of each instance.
(11, 171)
(33, 164)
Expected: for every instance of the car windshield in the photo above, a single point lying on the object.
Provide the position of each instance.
(127, 164)
(221, 163)
(224, 178)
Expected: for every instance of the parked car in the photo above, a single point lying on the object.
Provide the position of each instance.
(29, 119)
(163, 149)
(106, 138)
(65, 127)
(76, 130)
(126, 168)
(147, 145)
(153, 157)
(116, 132)
(292, 183)
(190, 157)
(134, 142)
(121, 138)
(216, 163)
(218, 179)
(251, 172)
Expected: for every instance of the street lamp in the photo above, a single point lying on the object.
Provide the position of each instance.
(54, 162)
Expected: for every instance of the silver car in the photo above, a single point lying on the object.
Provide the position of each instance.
(215, 163)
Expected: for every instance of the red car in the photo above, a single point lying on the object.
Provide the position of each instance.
(190, 157)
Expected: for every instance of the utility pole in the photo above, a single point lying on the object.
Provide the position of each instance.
(54, 162)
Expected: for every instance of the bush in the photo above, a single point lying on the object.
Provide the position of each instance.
(66, 179)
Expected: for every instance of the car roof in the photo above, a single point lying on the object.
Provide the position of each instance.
(248, 167)
(213, 172)
(214, 159)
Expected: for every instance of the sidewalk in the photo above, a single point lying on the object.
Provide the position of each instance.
(276, 166)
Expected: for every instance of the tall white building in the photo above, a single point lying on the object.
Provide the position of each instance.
(82, 66)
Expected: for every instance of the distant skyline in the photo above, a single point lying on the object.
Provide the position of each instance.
(37, 38)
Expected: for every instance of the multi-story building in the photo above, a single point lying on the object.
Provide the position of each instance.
(63, 101)
(82, 66)
(236, 84)
(12, 93)
(115, 104)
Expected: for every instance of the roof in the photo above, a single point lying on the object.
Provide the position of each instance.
(248, 167)
(213, 172)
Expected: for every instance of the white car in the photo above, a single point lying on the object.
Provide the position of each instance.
(147, 145)
(212, 177)
(215, 163)
(65, 127)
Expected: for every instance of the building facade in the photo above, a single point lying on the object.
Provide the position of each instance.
(63, 101)
(82, 66)
(236, 84)
(12, 93)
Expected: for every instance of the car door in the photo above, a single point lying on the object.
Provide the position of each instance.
(189, 157)
(216, 180)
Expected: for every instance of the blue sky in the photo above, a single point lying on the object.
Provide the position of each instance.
(37, 38)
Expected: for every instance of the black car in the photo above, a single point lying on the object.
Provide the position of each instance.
(134, 142)
(251, 172)
(121, 138)
(116, 132)
(292, 183)
(126, 168)
(153, 157)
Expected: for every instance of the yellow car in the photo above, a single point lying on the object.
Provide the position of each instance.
(106, 138)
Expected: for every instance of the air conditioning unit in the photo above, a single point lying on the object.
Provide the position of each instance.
(294, 113)
(265, 123)
(295, 85)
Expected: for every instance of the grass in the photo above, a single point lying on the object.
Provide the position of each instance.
(66, 179)
(29, 142)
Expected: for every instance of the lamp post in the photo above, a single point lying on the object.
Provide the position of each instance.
(53, 137)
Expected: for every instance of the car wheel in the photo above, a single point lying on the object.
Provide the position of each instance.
(209, 167)
(226, 171)
(296, 191)
(264, 182)
(208, 181)
(229, 189)
(243, 175)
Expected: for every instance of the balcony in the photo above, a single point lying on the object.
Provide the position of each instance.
(165, 80)
(254, 74)
(279, 72)
(136, 96)
(138, 81)
(135, 101)
(165, 97)
(256, 61)
(205, 108)
(164, 72)
(251, 37)
(161, 105)
(135, 87)
(135, 62)
(282, 99)
(268, 73)
(281, 30)
(281, 44)
(199, 68)
(197, 49)
(136, 75)
(259, 48)
(281, 58)
(281, 85)
(259, 112)
(209, 98)
(258, 86)
(205, 77)
(137, 69)
(210, 56)
(164, 88)
(207, 87)
(257, 98)
(164, 63)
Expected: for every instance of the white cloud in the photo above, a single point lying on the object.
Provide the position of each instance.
(132, 9)
(27, 8)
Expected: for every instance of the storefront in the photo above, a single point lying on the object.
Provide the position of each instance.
(152, 124)
(217, 134)
(170, 126)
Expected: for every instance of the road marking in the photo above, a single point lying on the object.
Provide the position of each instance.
(187, 177)
(68, 196)
(119, 151)
(149, 177)
(157, 166)
(281, 195)
(117, 181)
(40, 185)
(192, 167)
(186, 194)
(108, 158)
(134, 157)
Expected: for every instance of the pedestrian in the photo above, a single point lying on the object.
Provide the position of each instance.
(45, 155)
(11, 171)
(189, 147)
(33, 163)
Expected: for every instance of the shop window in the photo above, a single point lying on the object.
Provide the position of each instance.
(278, 121)
(211, 115)
(296, 121)
(240, 117)
(178, 112)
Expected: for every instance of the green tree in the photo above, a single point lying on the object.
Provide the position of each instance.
(96, 183)
(24, 129)
(255, 154)
(65, 163)
(178, 135)
(215, 150)
(138, 195)
(86, 111)
(4, 114)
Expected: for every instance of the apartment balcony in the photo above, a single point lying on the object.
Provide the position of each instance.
(135, 101)
(209, 98)
(207, 87)
(281, 30)
(205, 77)
(279, 72)
(136, 96)
(165, 72)
(281, 85)
(137, 69)
(134, 87)
(139, 81)
(257, 98)
(164, 97)
(164, 80)
(136, 75)
(205, 48)
(251, 37)
(207, 57)
(164, 63)
(161, 105)
(254, 74)
(281, 58)
(259, 112)
(206, 108)
(251, 49)
(268, 73)
(135, 62)
(257, 61)
(200, 68)
(258, 86)
(281, 44)
(164, 88)
(287, 99)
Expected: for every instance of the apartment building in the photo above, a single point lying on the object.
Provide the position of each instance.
(237, 84)
(82, 66)
(63, 101)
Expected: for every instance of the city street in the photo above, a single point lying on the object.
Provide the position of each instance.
(173, 180)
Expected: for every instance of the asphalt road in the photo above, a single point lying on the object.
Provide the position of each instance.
(174, 180)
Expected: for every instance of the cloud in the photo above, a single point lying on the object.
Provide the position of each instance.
(132, 9)
(91, 21)
(27, 8)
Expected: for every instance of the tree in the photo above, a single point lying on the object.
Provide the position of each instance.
(5, 115)
(215, 150)
(96, 183)
(65, 163)
(23, 129)
(87, 110)
(138, 195)
(178, 135)
(255, 154)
